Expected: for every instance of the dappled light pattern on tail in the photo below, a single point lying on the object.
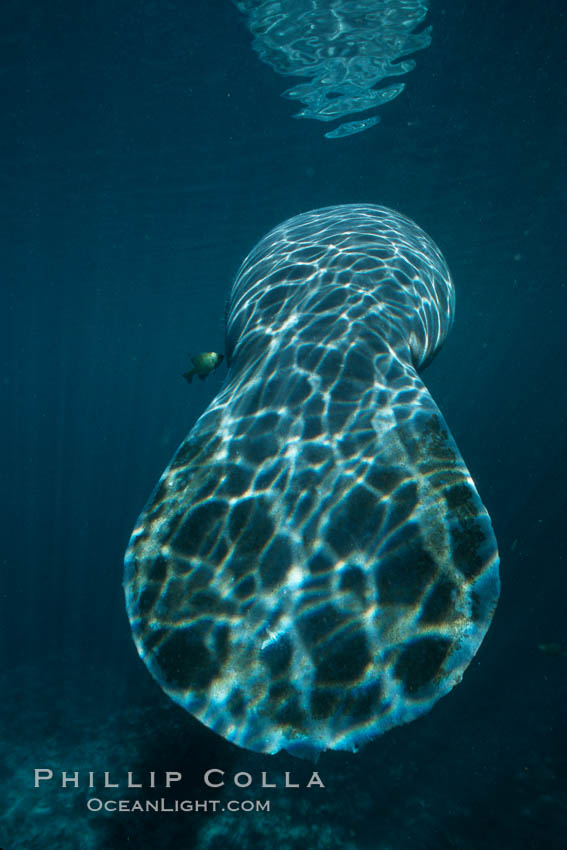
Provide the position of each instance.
(315, 565)
(345, 47)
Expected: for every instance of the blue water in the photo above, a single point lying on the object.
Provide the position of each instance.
(144, 150)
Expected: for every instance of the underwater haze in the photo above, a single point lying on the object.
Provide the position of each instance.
(145, 150)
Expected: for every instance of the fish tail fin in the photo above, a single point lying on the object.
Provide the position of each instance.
(189, 375)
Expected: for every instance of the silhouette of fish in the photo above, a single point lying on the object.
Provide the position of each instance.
(203, 365)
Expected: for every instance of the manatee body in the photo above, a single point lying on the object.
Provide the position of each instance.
(315, 565)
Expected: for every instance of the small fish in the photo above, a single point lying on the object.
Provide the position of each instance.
(203, 365)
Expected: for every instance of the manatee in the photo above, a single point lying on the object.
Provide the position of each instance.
(315, 565)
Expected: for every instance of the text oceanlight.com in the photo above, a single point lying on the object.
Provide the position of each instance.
(95, 804)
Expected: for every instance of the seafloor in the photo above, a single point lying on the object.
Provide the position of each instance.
(420, 787)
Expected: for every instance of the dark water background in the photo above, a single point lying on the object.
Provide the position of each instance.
(144, 150)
